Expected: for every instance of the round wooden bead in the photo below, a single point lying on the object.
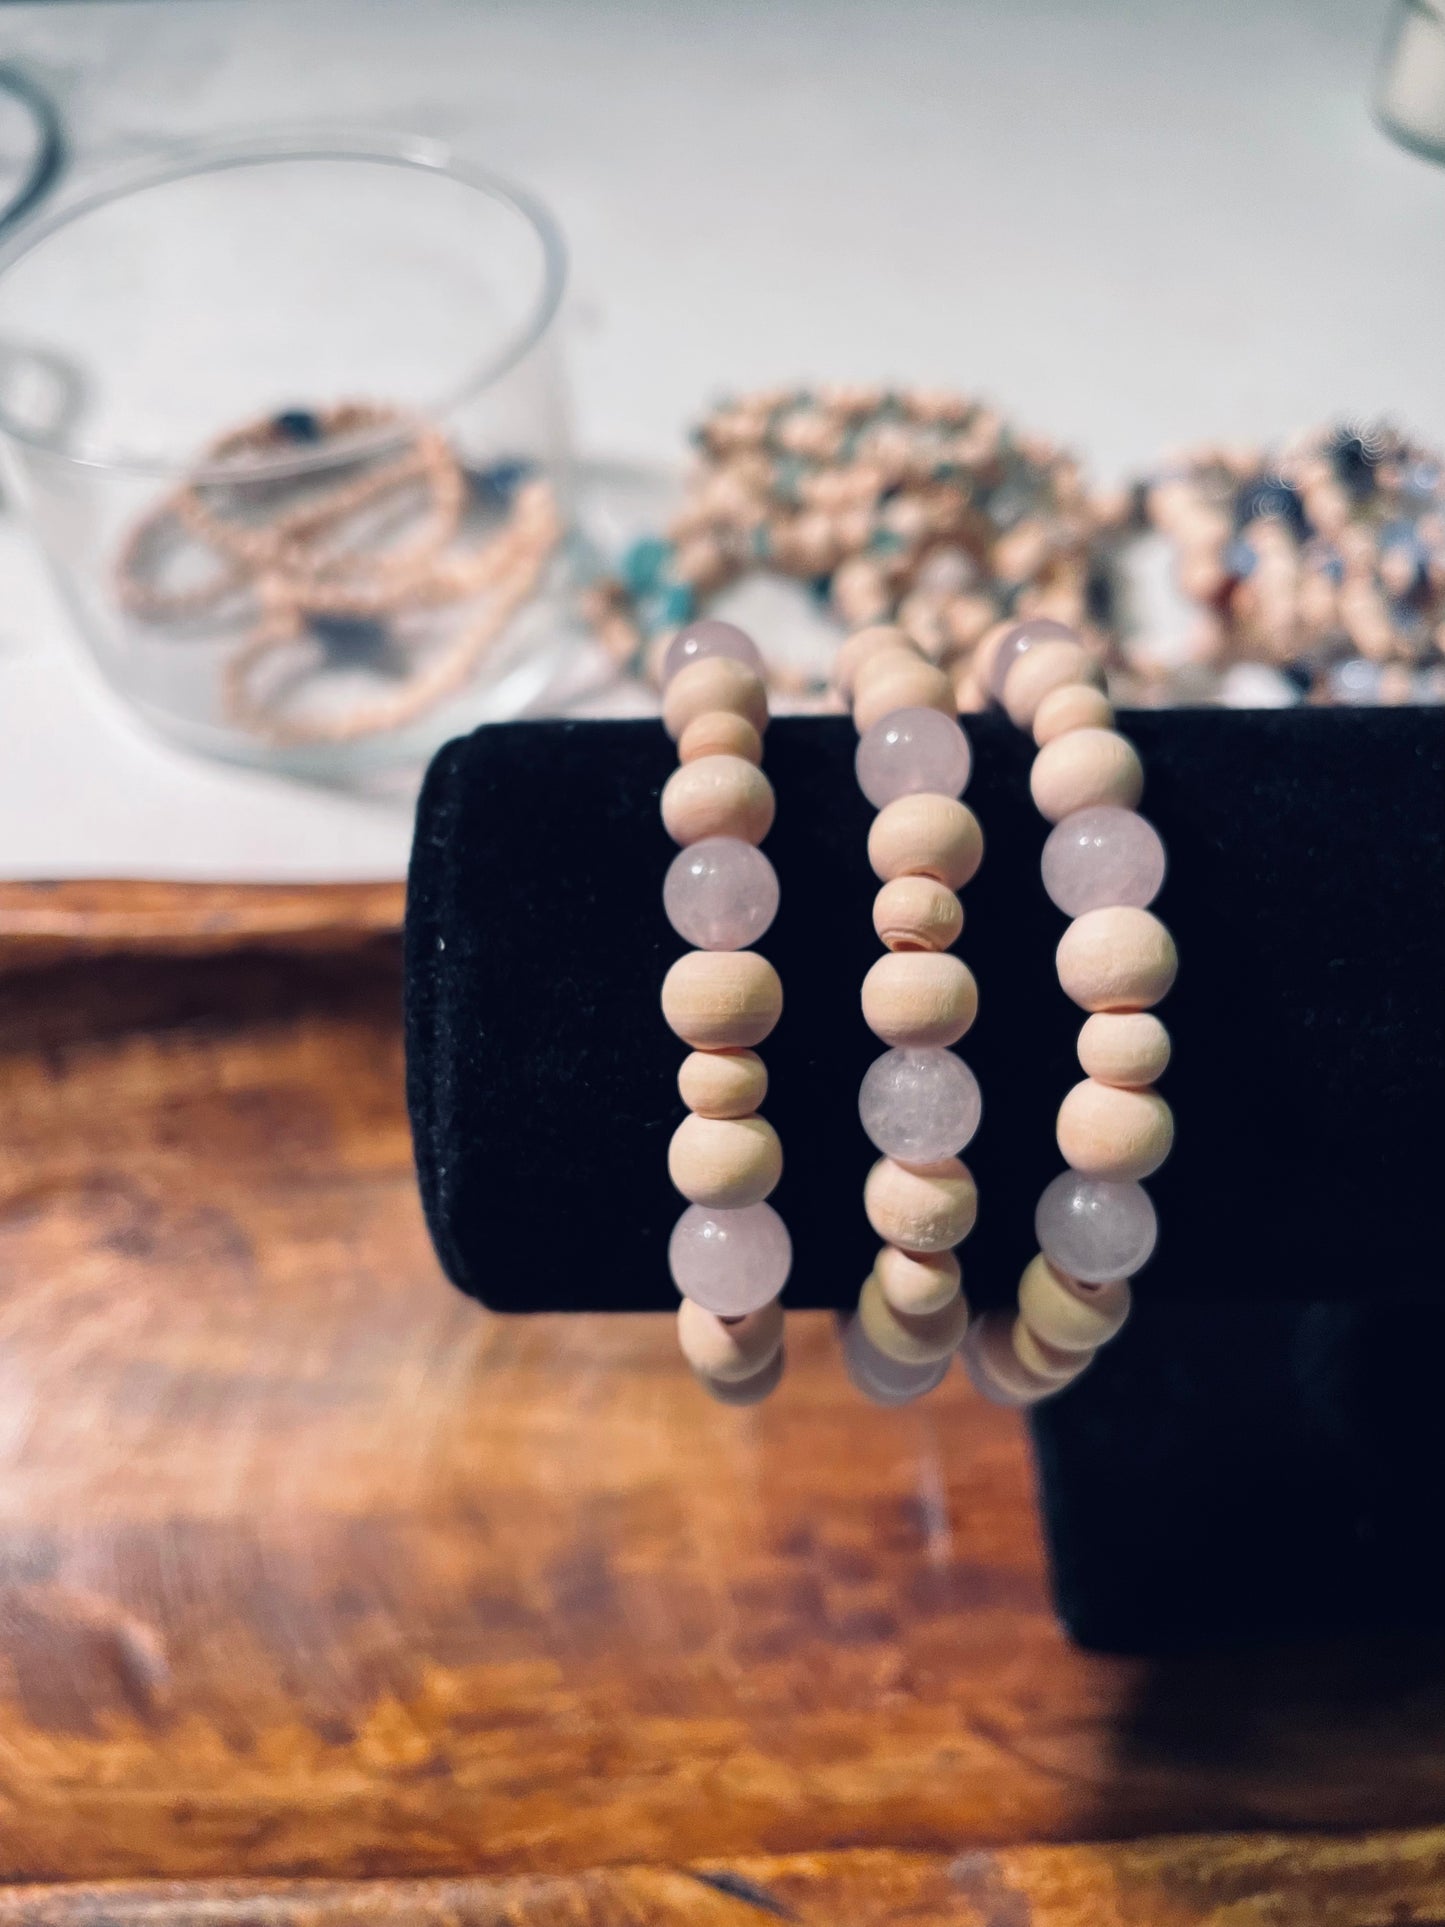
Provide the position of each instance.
(712, 683)
(915, 1282)
(720, 732)
(921, 1207)
(725, 1162)
(1116, 959)
(722, 999)
(723, 1083)
(717, 796)
(858, 647)
(894, 680)
(745, 1391)
(926, 835)
(917, 913)
(1106, 1132)
(1036, 1355)
(1047, 667)
(914, 998)
(1067, 1315)
(731, 1350)
(994, 1366)
(912, 1338)
(1077, 705)
(1085, 767)
(1127, 1048)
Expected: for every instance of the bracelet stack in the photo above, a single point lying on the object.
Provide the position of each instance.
(1103, 864)
(919, 1103)
(730, 1253)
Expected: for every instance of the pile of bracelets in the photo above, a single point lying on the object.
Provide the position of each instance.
(335, 559)
(1324, 561)
(920, 508)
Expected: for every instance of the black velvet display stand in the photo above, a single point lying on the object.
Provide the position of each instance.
(1261, 1453)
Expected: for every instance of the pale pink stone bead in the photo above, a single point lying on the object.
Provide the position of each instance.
(885, 1380)
(1102, 856)
(1017, 641)
(730, 1262)
(919, 1106)
(1093, 1229)
(720, 894)
(709, 638)
(911, 753)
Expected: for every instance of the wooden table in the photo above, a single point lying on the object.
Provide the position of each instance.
(325, 1596)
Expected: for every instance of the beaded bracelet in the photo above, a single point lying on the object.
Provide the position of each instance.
(1102, 865)
(319, 600)
(730, 1253)
(919, 1103)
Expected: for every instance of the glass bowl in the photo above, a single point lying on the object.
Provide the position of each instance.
(355, 313)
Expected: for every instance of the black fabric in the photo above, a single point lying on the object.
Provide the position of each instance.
(1306, 891)
(1257, 1456)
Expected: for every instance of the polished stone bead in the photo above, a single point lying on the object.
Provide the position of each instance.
(1017, 642)
(1094, 1229)
(720, 894)
(919, 1106)
(1100, 857)
(730, 1262)
(710, 638)
(910, 753)
(885, 1380)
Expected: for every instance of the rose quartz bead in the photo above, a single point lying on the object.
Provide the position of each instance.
(730, 1262)
(884, 1380)
(709, 638)
(1017, 641)
(720, 894)
(910, 753)
(1093, 1229)
(1102, 856)
(919, 1105)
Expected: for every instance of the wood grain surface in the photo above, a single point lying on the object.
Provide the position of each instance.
(1307, 1880)
(310, 1569)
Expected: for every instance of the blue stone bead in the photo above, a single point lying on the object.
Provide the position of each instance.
(297, 425)
(1239, 559)
(644, 562)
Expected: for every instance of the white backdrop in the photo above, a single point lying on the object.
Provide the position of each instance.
(1131, 225)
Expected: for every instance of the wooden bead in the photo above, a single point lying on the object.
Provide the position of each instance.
(720, 732)
(917, 998)
(917, 913)
(712, 683)
(994, 1366)
(858, 647)
(721, 999)
(732, 1350)
(726, 1162)
(912, 1338)
(745, 1391)
(915, 1282)
(1077, 705)
(1067, 1315)
(723, 1083)
(1127, 1048)
(1110, 1133)
(1036, 1355)
(892, 680)
(928, 836)
(921, 1207)
(1039, 672)
(1085, 767)
(1116, 959)
(717, 796)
